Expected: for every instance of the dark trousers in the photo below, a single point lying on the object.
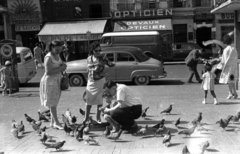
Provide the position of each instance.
(212, 92)
(193, 71)
(126, 116)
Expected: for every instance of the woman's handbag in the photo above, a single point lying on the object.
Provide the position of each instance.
(64, 81)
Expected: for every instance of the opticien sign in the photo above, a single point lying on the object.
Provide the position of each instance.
(142, 13)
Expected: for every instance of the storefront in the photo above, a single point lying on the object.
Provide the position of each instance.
(229, 7)
(26, 20)
(79, 33)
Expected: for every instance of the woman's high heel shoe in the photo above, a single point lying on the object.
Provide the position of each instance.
(235, 96)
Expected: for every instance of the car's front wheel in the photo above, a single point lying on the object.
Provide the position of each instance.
(141, 80)
(76, 80)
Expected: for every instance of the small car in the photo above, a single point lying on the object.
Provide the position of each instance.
(181, 50)
(131, 64)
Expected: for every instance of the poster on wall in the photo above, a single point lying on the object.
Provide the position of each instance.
(25, 14)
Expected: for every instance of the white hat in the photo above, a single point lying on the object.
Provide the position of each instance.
(7, 63)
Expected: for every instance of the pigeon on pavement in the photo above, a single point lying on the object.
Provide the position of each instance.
(167, 138)
(107, 131)
(67, 129)
(74, 119)
(28, 118)
(82, 112)
(168, 110)
(89, 139)
(143, 131)
(42, 117)
(44, 137)
(160, 124)
(58, 145)
(177, 122)
(204, 146)
(14, 129)
(189, 131)
(144, 112)
(160, 130)
(87, 128)
(68, 115)
(185, 150)
(21, 127)
(116, 135)
(198, 119)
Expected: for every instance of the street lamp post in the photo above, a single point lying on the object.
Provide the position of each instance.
(88, 33)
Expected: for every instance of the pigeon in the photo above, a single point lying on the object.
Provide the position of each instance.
(107, 131)
(204, 146)
(42, 117)
(65, 120)
(87, 139)
(224, 123)
(79, 132)
(160, 130)
(21, 127)
(82, 112)
(177, 122)
(74, 120)
(46, 113)
(185, 150)
(68, 115)
(87, 128)
(189, 131)
(14, 129)
(44, 137)
(35, 125)
(58, 145)
(197, 120)
(160, 124)
(116, 135)
(143, 130)
(41, 130)
(168, 110)
(67, 129)
(236, 117)
(167, 138)
(29, 119)
(144, 112)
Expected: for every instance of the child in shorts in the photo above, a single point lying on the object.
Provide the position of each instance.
(208, 83)
(6, 77)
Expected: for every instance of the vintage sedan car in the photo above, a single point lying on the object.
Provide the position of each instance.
(131, 64)
(181, 50)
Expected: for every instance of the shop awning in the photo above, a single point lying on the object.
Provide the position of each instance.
(143, 25)
(227, 7)
(74, 31)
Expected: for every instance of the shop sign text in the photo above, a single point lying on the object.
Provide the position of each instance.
(47, 38)
(142, 13)
(27, 27)
(226, 16)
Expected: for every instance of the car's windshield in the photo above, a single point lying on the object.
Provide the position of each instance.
(141, 56)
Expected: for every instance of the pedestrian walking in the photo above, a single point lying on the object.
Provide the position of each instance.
(38, 55)
(6, 78)
(96, 79)
(191, 62)
(208, 83)
(229, 62)
(50, 91)
(127, 109)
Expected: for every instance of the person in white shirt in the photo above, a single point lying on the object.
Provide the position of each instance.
(127, 109)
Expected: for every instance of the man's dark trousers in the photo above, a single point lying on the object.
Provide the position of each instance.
(193, 70)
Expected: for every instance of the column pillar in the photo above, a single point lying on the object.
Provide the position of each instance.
(237, 43)
(5, 26)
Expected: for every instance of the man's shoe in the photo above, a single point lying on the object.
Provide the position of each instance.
(199, 81)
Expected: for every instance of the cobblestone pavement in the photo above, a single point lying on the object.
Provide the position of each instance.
(186, 100)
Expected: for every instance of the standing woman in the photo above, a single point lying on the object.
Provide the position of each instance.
(229, 62)
(96, 79)
(50, 91)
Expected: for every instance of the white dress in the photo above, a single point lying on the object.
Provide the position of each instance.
(50, 91)
(229, 60)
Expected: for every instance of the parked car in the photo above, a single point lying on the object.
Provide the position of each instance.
(131, 64)
(181, 50)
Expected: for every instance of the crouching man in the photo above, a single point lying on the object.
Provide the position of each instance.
(127, 108)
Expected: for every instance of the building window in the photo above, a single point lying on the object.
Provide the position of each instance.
(95, 11)
(152, 4)
(61, 12)
(203, 3)
(180, 33)
(179, 3)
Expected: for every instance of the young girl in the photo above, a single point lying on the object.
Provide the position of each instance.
(208, 83)
(6, 78)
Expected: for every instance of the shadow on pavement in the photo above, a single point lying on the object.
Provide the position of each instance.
(152, 122)
(212, 150)
(174, 144)
(228, 103)
(30, 84)
(24, 95)
(158, 82)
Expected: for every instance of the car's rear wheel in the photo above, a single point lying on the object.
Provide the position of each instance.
(76, 80)
(141, 80)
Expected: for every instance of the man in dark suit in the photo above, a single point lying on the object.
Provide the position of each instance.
(192, 61)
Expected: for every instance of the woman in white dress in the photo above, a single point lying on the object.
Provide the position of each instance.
(229, 62)
(50, 91)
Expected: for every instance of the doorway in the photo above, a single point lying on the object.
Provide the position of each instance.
(203, 34)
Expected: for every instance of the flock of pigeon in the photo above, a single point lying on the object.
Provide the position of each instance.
(81, 131)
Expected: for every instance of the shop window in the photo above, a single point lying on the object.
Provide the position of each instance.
(226, 29)
(180, 33)
(152, 4)
(179, 3)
